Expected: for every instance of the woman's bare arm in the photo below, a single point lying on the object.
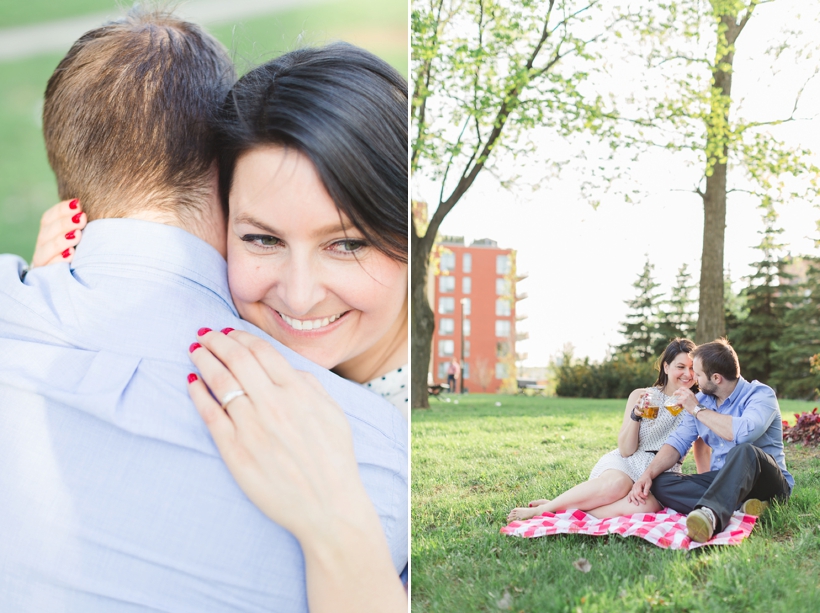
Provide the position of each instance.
(630, 429)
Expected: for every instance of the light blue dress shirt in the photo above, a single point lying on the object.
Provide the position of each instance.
(755, 419)
(113, 496)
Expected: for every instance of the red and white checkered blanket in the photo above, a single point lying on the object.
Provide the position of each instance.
(666, 529)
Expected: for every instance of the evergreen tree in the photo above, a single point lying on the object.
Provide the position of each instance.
(641, 326)
(754, 337)
(792, 374)
(677, 317)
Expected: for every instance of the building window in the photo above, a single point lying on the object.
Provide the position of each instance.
(446, 285)
(502, 287)
(446, 326)
(465, 371)
(466, 349)
(447, 262)
(467, 263)
(467, 285)
(446, 306)
(502, 328)
(502, 349)
(502, 307)
(466, 305)
(466, 327)
(502, 264)
(446, 348)
(442, 370)
(500, 370)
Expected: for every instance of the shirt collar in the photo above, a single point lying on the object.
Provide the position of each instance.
(741, 383)
(708, 399)
(148, 245)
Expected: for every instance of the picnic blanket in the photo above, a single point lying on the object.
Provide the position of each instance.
(666, 529)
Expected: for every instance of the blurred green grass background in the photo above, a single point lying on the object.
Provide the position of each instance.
(27, 186)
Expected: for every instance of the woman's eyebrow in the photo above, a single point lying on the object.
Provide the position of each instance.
(328, 229)
(248, 219)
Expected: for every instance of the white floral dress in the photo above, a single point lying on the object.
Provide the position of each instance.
(652, 436)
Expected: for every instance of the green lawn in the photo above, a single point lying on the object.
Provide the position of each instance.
(19, 12)
(472, 462)
(26, 183)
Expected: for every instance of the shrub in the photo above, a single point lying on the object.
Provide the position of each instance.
(615, 377)
(806, 430)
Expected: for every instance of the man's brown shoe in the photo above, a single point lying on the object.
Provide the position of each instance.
(753, 506)
(700, 525)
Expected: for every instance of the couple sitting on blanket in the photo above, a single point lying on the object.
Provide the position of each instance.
(739, 420)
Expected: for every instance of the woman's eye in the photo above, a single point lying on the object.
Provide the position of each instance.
(262, 240)
(349, 245)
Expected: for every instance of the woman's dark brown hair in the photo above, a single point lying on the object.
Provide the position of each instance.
(673, 350)
(346, 111)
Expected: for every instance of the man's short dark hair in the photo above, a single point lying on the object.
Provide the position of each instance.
(127, 116)
(718, 357)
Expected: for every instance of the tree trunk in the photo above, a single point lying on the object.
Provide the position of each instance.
(711, 316)
(422, 322)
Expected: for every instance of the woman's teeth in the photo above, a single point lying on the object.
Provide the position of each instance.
(309, 324)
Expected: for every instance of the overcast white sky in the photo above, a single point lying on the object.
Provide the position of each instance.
(582, 262)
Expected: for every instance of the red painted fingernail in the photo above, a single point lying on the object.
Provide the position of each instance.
(66, 253)
(192, 377)
(76, 218)
(194, 347)
(202, 331)
(70, 235)
(227, 330)
(73, 204)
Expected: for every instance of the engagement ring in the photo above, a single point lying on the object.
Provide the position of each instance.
(227, 398)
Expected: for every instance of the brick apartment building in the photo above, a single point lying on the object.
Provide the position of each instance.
(476, 285)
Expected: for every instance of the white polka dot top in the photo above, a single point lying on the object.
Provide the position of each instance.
(393, 387)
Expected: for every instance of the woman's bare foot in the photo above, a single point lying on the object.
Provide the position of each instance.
(538, 503)
(521, 513)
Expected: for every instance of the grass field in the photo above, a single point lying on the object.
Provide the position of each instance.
(27, 186)
(472, 462)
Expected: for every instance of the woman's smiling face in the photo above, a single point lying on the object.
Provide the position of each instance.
(680, 371)
(302, 272)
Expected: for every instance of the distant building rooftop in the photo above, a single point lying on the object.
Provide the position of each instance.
(452, 240)
(484, 242)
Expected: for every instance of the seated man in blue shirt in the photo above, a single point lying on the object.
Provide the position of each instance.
(114, 497)
(740, 421)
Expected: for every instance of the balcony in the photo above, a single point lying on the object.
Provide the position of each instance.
(521, 336)
(521, 296)
(520, 357)
(521, 317)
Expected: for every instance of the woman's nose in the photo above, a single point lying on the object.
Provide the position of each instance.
(302, 286)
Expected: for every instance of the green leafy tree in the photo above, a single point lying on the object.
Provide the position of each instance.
(687, 107)
(755, 336)
(677, 314)
(792, 375)
(641, 326)
(484, 72)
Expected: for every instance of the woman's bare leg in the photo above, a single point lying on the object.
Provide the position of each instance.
(703, 456)
(538, 503)
(624, 507)
(611, 486)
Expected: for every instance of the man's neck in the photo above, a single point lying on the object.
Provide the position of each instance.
(725, 390)
(210, 227)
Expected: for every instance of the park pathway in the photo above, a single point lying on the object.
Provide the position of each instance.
(58, 36)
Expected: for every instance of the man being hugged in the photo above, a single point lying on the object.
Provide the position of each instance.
(740, 421)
